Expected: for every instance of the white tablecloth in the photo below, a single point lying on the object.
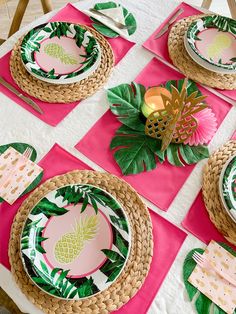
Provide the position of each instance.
(17, 124)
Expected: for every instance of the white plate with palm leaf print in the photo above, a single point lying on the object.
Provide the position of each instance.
(227, 187)
(212, 43)
(75, 242)
(60, 53)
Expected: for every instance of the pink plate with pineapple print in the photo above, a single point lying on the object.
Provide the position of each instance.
(75, 242)
(60, 52)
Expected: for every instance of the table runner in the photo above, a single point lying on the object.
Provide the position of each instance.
(159, 46)
(167, 237)
(95, 144)
(56, 112)
(205, 230)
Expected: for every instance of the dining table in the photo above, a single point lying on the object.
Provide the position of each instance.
(19, 125)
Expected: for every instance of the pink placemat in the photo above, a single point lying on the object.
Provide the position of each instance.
(167, 238)
(95, 144)
(160, 47)
(55, 113)
(197, 220)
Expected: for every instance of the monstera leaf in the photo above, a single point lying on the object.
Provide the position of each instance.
(201, 302)
(106, 31)
(125, 102)
(21, 147)
(137, 152)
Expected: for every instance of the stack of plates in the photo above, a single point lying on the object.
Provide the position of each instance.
(227, 187)
(211, 42)
(60, 53)
(75, 242)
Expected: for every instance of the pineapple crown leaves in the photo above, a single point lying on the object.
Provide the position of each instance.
(86, 229)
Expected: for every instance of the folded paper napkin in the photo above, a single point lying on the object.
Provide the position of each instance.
(116, 14)
(167, 238)
(211, 284)
(16, 174)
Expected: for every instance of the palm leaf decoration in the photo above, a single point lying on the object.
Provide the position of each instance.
(201, 302)
(32, 227)
(125, 102)
(48, 208)
(113, 265)
(136, 152)
(224, 24)
(86, 195)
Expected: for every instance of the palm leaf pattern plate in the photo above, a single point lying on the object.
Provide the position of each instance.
(60, 52)
(213, 39)
(227, 187)
(75, 242)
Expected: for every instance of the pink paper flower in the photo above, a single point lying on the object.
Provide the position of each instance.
(206, 128)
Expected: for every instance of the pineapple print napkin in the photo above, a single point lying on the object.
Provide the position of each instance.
(216, 288)
(16, 174)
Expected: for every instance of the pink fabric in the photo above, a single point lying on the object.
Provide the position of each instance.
(167, 238)
(159, 46)
(95, 144)
(197, 220)
(55, 113)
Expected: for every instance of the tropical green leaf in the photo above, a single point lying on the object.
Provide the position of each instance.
(136, 152)
(32, 227)
(112, 255)
(202, 303)
(115, 273)
(120, 222)
(48, 208)
(125, 102)
(86, 289)
(191, 86)
(121, 244)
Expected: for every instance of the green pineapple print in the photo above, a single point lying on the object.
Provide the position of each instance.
(57, 51)
(69, 247)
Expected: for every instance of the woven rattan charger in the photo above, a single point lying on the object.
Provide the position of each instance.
(138, 263)
(210, 188)
(63, 93)
(185, 63)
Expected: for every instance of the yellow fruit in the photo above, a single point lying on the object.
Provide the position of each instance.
(70, 245)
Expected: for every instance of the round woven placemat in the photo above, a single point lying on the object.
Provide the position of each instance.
(138, 264)
(185, 63)
(210, 189)
(63, 93)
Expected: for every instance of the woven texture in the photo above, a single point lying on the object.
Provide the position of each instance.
(63, 93)
(210, 188)
(185, 63)
(136, 269)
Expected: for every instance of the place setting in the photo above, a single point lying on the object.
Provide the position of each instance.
(95, 224)
(59, 63)
(201, 46)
